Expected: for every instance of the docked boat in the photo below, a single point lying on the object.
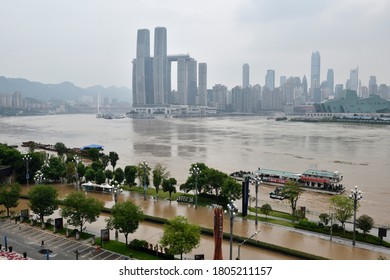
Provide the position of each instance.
(312, 179)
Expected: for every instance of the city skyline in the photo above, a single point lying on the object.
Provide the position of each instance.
(95, 42)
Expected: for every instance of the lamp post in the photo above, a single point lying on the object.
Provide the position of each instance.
(38, 178)
(77, 160)
(232, 212)
(27, 159)
(195, 171)
(239, 244)
(116, 192)
(356, 195)
(145, 166)
(331, 226)
(257, 182)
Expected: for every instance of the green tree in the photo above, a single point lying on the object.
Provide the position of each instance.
(109, 174)
(93, 154)
(180, 237)
(169, 185)
(343, 208)
(105, 160)
(79, 209)
(96, 165)
(266, 209)
(100, 177)
(324, 218)
(113, 159)
(126, 217)
(60, 148)
(71, 172)
(159, 174)
(231, 190)
(9, 196)
(365, 223)
(119, 175)
(55, 169)
(43, 200)
(90, 174)
(292, 192)
(81, 168)
(130, 174)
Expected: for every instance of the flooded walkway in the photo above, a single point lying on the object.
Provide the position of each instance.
(315, 244)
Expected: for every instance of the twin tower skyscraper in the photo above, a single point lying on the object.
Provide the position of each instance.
(152, 75)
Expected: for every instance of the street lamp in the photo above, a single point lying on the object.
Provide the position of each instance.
(257, 182)
(233, 210)
(38, 178)
(356, 195)
(145, 166)
(116, 192)
(195, 171)
(27, 159)
(77, 160)
(239, 244)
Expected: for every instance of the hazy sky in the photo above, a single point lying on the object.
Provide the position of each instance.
(93, 42)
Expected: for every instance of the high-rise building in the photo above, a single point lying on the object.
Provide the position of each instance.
(245, 75)
(192, 82)
(304, 85)
(202, 84)
(353, 82)
(160, 66)
(315, 77)
(270, 79)
(283, 80)
(330, 80)
(141, 69)
(372, 86)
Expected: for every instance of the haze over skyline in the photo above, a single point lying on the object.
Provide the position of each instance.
(93, 42)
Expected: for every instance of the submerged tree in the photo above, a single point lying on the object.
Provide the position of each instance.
(292, 191)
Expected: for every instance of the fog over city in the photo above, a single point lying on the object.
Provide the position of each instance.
(94, 42)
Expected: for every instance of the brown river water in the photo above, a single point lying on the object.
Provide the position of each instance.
(360, 152)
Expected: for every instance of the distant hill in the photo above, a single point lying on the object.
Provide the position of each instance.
(62, 91)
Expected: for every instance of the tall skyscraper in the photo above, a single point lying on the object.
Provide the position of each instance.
(304, 85)
(202, 84)
(270, 79)
(141, 71)
(353, 82)
(245, 75)
(160, 66)
(330, 80)
(315, 79)
(192, 82)
(372, 86)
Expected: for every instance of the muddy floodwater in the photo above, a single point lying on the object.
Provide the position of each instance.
(360, 152)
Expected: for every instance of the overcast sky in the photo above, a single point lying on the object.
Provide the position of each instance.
(93, 42)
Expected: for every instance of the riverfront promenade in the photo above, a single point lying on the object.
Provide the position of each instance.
(312, 243)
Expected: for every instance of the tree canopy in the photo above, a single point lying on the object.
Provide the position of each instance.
(365, 223)
(160, 173)
(79, 209)
(292, 191)
(43, 200)
(180, 237)
(126, 217)
(9, 196)
(342, 207)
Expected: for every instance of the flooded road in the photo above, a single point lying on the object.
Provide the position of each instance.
(203, 216)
